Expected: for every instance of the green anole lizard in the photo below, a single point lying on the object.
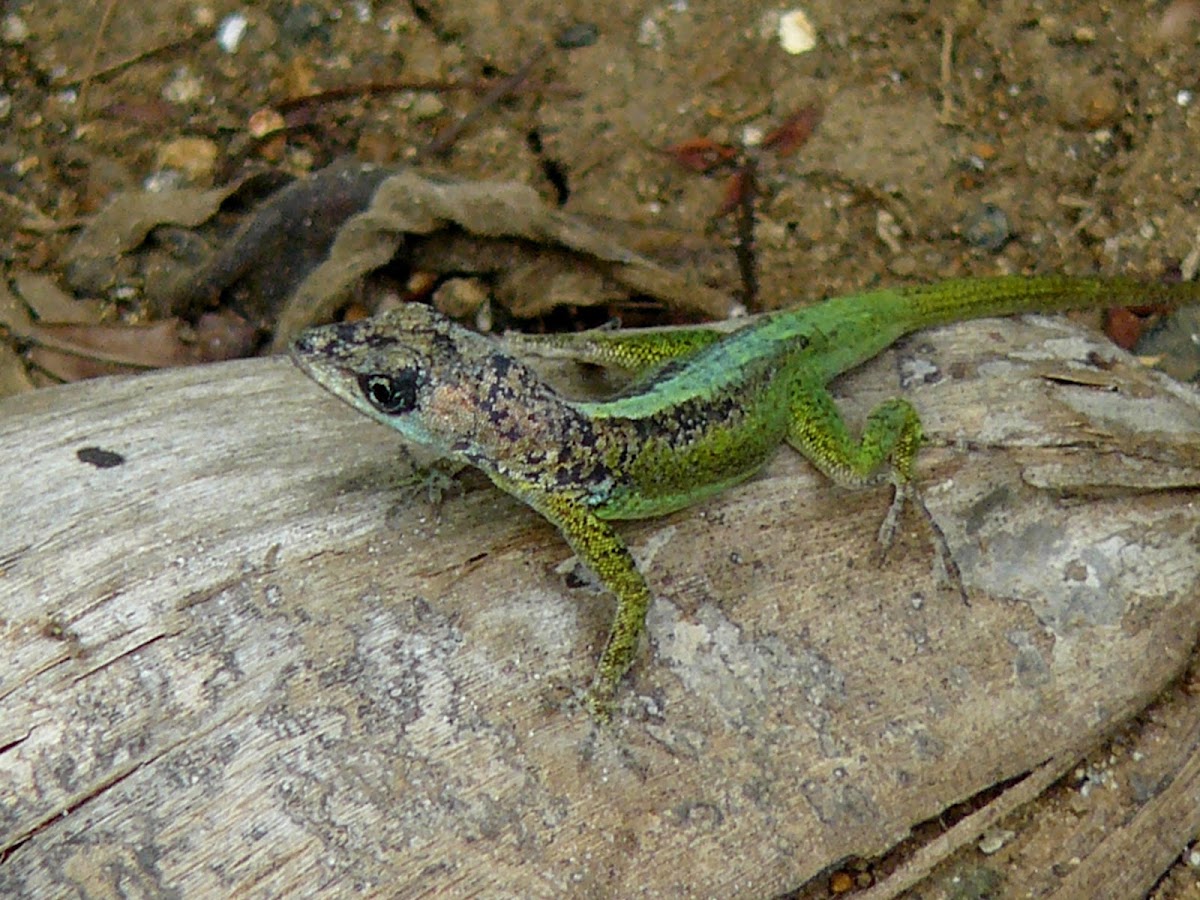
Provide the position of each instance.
(705, 411)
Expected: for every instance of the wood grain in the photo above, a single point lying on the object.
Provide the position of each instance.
(246, 661)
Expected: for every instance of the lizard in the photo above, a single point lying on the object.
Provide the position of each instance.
(705, 410)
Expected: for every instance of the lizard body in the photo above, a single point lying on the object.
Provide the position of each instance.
(706, 409)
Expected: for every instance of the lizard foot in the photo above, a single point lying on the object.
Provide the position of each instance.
(599, 702)
(948, 572)
(435, 481)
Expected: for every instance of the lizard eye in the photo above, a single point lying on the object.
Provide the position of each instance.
(390, 393)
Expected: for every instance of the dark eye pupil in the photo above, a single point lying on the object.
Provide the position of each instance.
(390, 393)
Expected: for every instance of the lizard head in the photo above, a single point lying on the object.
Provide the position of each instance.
(440, 385)
(388, 366)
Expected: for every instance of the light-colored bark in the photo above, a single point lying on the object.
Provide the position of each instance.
(246, 661)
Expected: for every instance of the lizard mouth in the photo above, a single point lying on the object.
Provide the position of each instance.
(315, 354)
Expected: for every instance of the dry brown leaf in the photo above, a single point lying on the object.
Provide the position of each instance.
(14, 378)
(51, 304)
(123, 225)
(14, 314)
(75, 352)
(408, 203)
(296, 260)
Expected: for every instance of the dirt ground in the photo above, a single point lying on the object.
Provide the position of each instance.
(957, 138)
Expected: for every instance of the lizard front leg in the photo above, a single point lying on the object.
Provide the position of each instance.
(601, 549)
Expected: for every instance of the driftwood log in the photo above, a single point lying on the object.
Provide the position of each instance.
(238, 658)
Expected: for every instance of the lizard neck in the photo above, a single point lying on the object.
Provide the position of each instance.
(499, 416)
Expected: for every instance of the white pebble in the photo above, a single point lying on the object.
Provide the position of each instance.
(796, 33)
(13, 29)
(230, 32)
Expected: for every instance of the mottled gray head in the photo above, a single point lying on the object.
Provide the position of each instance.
(443, 387)
(395, 368)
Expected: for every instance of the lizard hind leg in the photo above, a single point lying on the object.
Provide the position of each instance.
(888, 448)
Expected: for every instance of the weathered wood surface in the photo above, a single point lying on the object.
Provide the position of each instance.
(243, 662)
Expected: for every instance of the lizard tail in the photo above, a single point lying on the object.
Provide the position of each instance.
(975, 298)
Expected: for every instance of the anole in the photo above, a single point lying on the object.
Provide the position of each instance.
(705, 411)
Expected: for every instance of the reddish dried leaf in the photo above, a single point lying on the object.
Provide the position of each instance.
(52, 305)
(736, 190)
(700, 154)
(223, 335)
(67, 366)
(794, 132)
(74, 352)
(141, 112)
(1124, 325)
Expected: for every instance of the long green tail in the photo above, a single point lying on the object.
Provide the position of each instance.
(974, 298)
(861, 325)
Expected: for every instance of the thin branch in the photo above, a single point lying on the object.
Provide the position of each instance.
(445, 138)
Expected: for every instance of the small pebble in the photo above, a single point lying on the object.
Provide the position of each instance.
(796, 32)
(985, 150)
(649, 34)
(460, 297)
(264, 121)
(426, 106)
(184, 87)
(582, 35)
(1101, 103)
(194, 157)
(302, 23)
(13, 29)
(987, 228)
(1178, 20)
(25, 165)
(840, 883)
(230, 32)
(162, 181)
(752, 136)
(994, 839)
(903, 266)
